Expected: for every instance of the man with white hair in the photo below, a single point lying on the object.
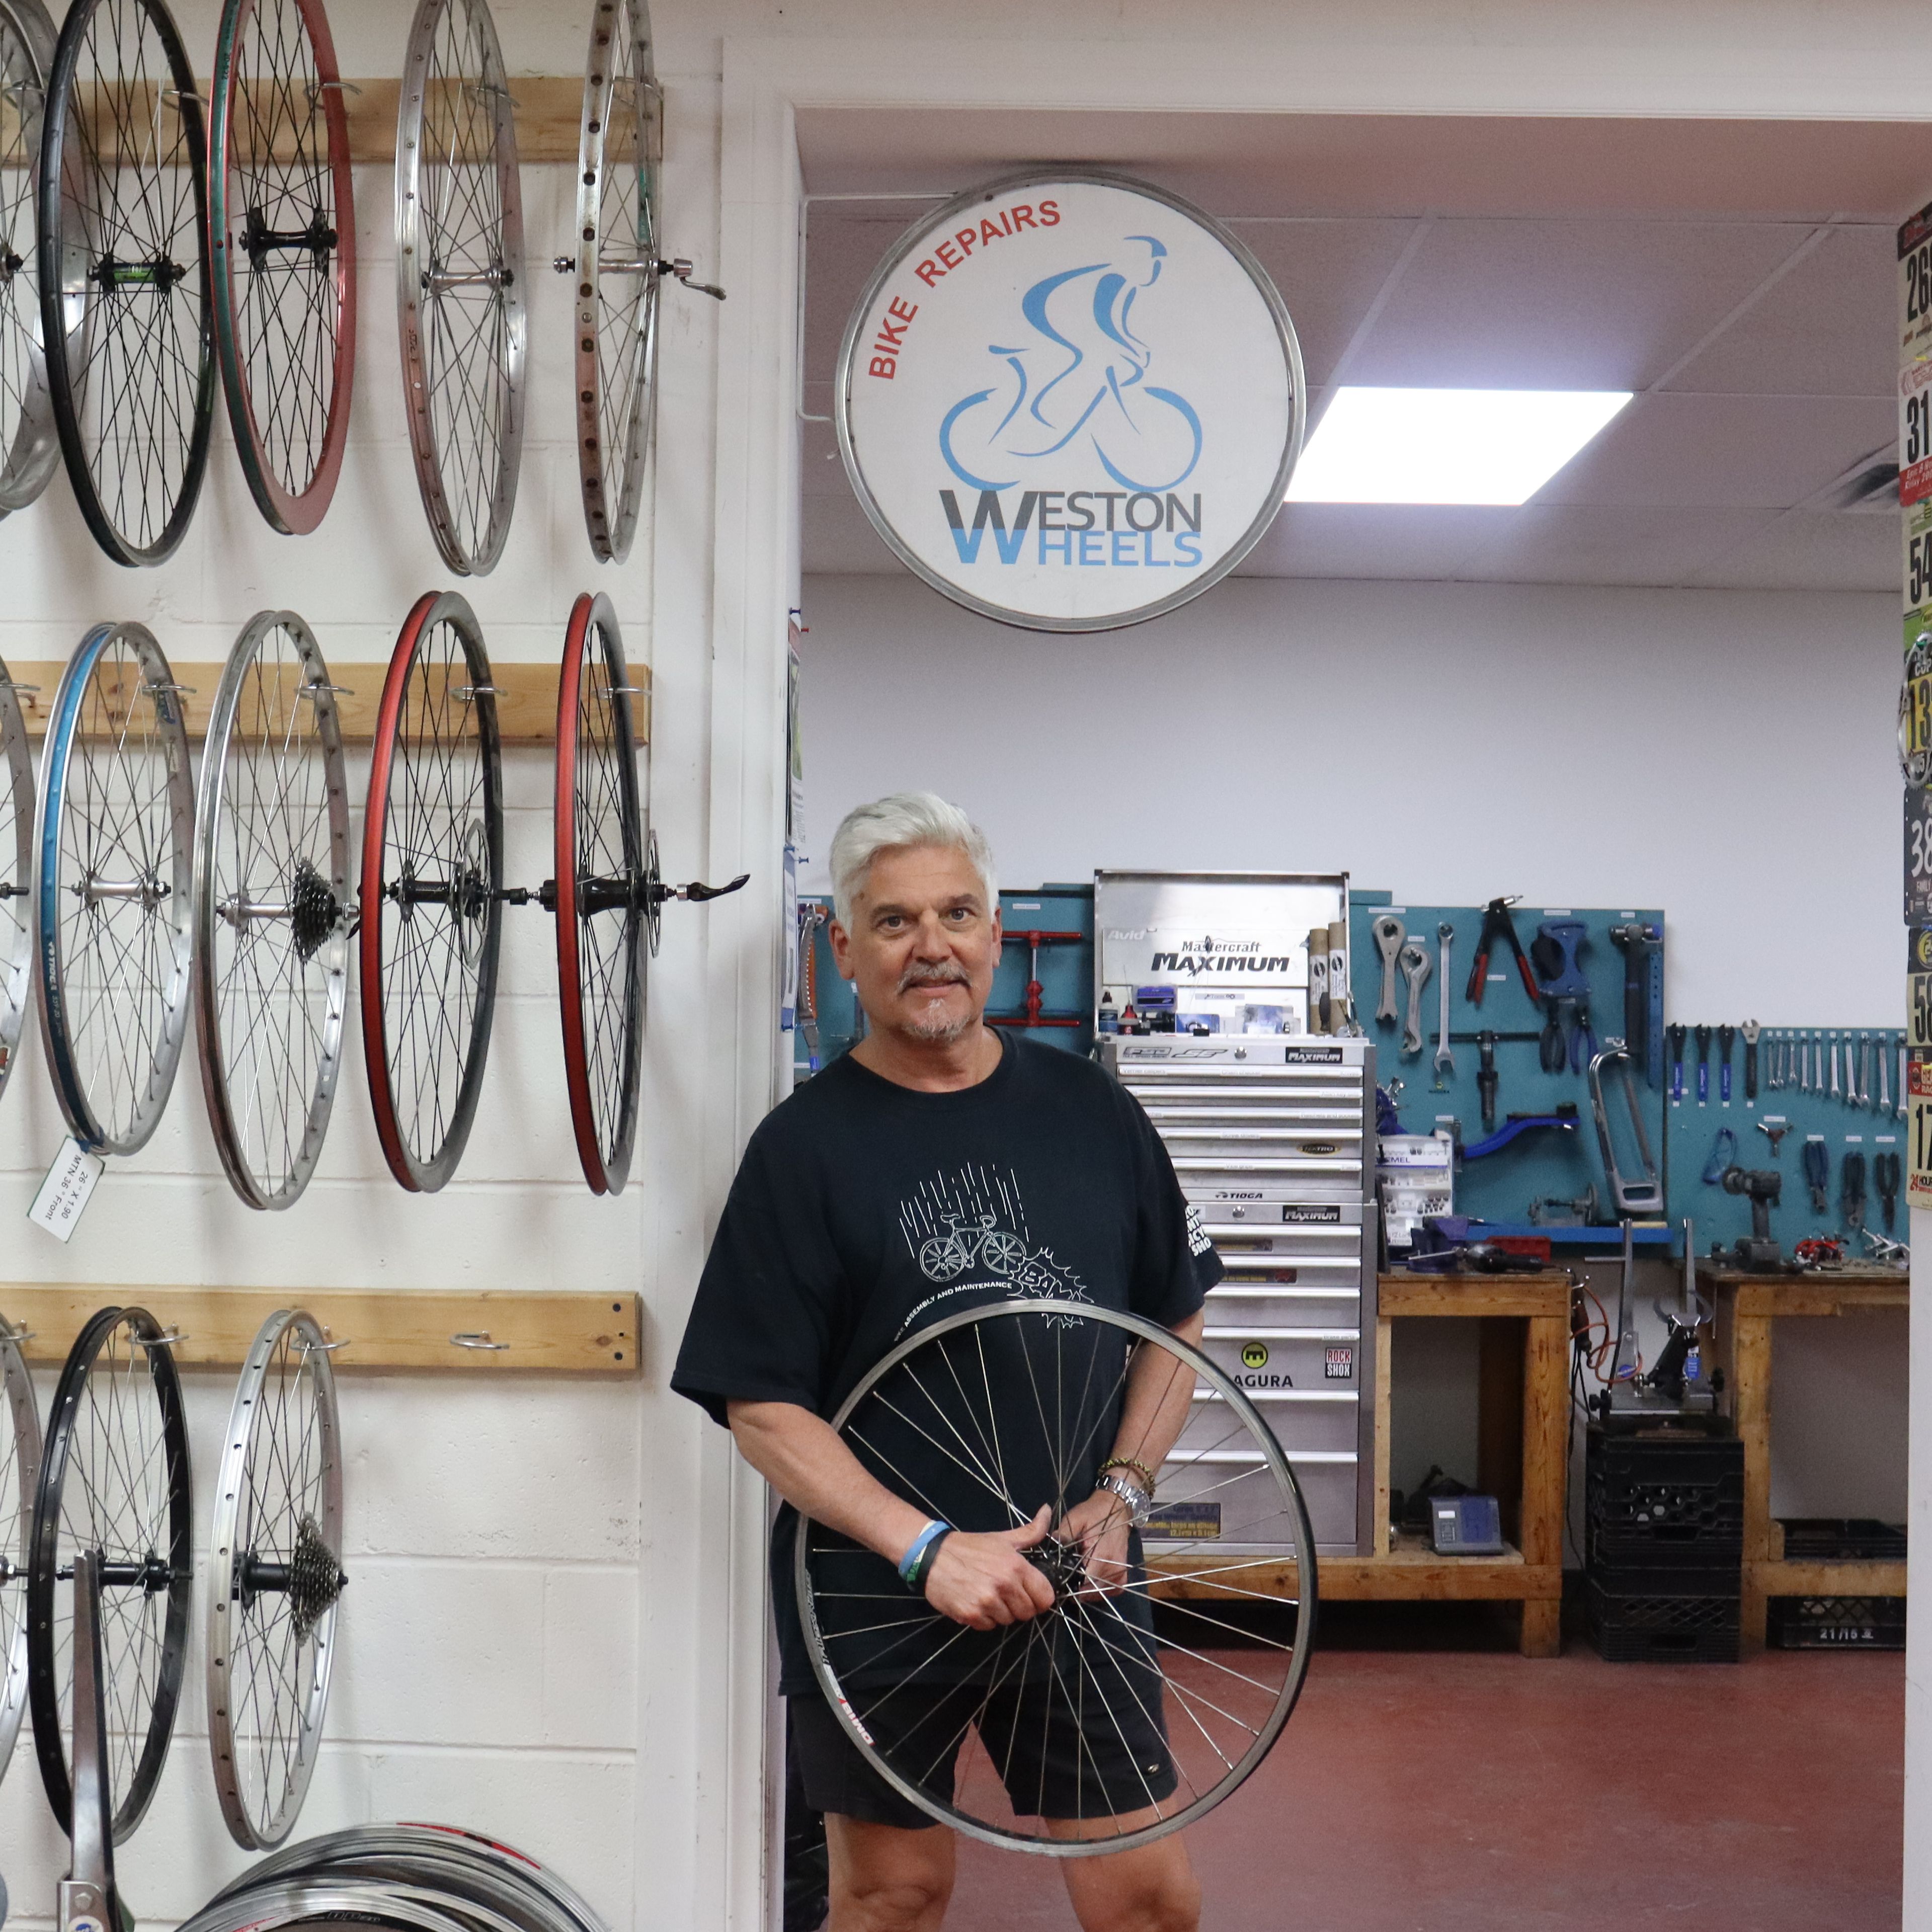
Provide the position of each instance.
(814, 1274)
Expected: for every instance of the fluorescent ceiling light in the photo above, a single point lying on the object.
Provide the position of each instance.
(1447, 445)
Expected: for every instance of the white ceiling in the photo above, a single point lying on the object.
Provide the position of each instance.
(1739, 275)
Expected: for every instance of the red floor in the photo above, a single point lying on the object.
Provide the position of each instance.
(1441, 1789)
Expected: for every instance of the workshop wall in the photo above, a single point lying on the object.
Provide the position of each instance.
(1724, 755)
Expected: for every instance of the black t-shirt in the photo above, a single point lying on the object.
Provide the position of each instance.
(864, 1211)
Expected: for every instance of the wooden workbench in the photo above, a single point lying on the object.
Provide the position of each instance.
(1746, 1305)
(1523, 1457)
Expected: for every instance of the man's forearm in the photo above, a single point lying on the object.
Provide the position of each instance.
(803, 1458)
(1160, 1394)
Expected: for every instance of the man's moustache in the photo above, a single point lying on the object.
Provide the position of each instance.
(942, 976)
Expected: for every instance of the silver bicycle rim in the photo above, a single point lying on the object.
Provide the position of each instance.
(1213, 1749)
(620, 150)
(348, 1902)
(272, 894)
(459, 279)
(113, 888)
(434, 1868)
(28, 448)
(274, 1578)
(320, 1855)
(17, 873)
(19, 1477)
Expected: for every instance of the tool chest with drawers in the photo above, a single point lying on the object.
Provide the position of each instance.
(1272, 1136)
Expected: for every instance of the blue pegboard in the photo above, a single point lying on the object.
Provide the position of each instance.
(1545, 1164)
(1694, 1127)
(1066, 974)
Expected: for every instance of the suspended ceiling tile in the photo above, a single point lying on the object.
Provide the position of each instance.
(1718, 452)
(1619, 543)
(1328, 272)
(1379, 540)
(1826, 329)
(1833, 551)
(1564, 304)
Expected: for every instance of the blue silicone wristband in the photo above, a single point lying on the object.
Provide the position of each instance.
(909, 1563)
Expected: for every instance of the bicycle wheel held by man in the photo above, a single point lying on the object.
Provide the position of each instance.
(894, 1194)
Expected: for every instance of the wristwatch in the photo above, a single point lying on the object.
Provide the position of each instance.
(1140, 1504)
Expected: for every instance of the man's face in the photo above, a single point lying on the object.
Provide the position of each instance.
(923, 945)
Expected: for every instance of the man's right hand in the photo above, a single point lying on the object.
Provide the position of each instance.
(984, 1581)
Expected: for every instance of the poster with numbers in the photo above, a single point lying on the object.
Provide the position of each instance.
(1919, 1131)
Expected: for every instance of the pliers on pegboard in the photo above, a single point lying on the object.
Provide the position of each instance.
(1497, 924)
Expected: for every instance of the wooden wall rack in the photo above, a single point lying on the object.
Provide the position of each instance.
(525, 697)
(493, 1332)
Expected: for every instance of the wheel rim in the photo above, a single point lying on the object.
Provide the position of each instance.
(283, 214)
(320, 1906)
(114, 1477)
(459, 276)
(346, 1849)
(112, 888)
(432, 892)
(620, 150)
(1102, 1709)
(126, 300)
(600, 884)
(29, 449)
(274, 1576)
(271, 910)
(19, 1476)
(17, 873)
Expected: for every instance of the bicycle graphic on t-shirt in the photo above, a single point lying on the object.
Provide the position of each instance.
(946, 1257)
(973, 1222)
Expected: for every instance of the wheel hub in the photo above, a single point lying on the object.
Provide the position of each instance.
(312, 1579)
(313, 911)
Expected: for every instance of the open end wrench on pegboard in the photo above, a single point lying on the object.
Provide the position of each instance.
(1445, 1054)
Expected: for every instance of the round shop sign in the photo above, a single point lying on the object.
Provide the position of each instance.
(1070, 401)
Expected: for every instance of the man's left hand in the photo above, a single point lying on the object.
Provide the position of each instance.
(1100, 1526)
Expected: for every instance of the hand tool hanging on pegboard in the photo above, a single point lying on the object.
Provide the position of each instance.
(1751, 1031)
(1885, 1183)
(1390, 934)
(1852, 1190)
(1566, 992)
(1676, 1035)
(1725, 1035)
(1818, 1172)
(1415, 970)
(1702, 1035)
(1497, 924)
(1445, 1056)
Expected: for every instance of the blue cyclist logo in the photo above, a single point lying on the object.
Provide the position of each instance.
(1083, 375)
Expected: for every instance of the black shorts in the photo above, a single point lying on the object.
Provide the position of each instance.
(1115, 1761)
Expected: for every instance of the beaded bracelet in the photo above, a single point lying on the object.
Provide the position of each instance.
(1134, 1463)
(918, 1559)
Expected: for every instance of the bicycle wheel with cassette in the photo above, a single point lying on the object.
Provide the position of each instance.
(114, 1479)
(460, 279)
(29, 450)
(602, 927)
(127, 300)
(1158, 1681)
(113, 888)
(272, 909)
(274, 1576)
(282, 210)
(432, 891)
(19, 1478)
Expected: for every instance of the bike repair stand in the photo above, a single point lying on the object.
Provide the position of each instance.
(1675, 1393)
(88, 1901)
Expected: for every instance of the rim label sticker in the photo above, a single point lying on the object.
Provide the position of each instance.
(67, 1190)
(1189, 1522)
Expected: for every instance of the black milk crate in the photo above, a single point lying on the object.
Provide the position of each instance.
(1836, 1623)
(1832, 1539)
(1662, 1629)
(1671, 1576)
(1649, 1499)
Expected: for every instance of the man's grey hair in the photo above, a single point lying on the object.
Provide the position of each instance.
(906, 818)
